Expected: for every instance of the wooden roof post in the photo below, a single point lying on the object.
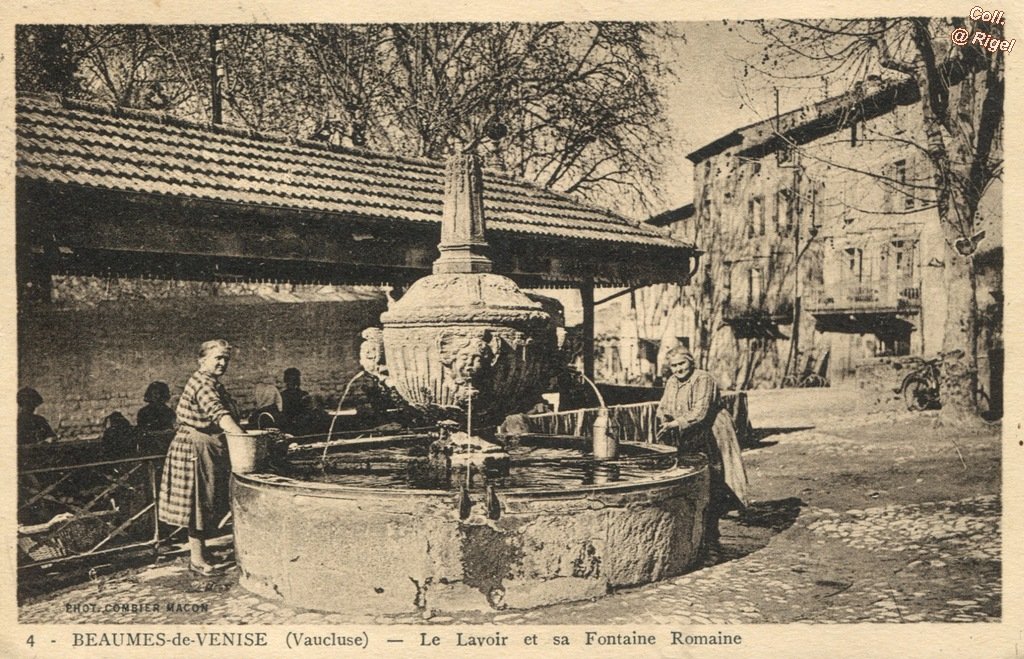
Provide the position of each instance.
(587, 299)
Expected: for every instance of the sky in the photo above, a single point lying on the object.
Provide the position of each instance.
(711, 97)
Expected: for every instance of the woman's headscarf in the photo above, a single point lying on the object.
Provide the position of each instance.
(679, 352)
(267, 395)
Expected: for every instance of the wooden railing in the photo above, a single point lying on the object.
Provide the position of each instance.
(634, 422)
(74, 511)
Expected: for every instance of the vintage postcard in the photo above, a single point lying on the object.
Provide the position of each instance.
(654, 330)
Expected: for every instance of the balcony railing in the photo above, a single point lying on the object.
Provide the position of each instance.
(778, 311)
(882, 295)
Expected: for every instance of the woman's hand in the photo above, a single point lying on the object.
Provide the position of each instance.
(665, 427)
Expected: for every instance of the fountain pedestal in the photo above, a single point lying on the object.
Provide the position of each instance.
(390, 550)
(464, 330)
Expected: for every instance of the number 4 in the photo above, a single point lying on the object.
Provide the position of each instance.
(31, 641)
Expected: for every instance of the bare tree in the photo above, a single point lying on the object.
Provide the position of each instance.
(574, 107)
(960, 92)
(139, 66)
(46, 59)
(355, 73)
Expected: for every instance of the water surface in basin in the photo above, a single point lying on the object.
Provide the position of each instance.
(537, 461)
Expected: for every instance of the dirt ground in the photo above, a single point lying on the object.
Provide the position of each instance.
(857, 464)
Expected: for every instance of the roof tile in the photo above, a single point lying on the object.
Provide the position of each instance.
(141, 152)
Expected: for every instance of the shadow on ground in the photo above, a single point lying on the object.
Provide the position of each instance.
(758, 436)
(777, 515)
(745, 532)
(43, 581)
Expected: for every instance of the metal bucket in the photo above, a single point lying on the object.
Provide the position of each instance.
(249, 451)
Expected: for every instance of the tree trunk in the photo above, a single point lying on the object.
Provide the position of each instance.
(959, 373)
(959, 377)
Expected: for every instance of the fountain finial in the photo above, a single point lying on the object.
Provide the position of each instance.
(463, 243)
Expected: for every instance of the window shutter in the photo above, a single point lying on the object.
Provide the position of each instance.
(888, 187)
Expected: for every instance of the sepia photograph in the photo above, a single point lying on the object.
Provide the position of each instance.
(653, 328)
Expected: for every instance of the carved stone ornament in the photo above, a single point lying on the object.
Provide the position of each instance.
(450, 334)
(468, 355)
(371, 352)
(466, 331)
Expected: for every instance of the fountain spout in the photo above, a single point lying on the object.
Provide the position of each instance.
(334, 417)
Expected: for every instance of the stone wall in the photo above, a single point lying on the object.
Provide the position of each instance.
(879, 378)
(88, 361)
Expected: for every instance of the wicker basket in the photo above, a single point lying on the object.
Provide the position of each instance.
(76, 536)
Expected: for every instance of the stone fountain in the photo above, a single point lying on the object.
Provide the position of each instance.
(465, 342)
(467, 347)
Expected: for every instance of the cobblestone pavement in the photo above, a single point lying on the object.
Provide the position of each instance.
(799, 576)
(801, 558)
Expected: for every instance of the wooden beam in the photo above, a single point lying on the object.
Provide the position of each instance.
(631, 289)
(212, 233)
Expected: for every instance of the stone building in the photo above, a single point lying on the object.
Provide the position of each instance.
(821, 237)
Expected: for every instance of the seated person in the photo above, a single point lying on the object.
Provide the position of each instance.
(268, 407)
(32, 428)
(292, 405)
(119, 439)
(312, 420)
(155, 415)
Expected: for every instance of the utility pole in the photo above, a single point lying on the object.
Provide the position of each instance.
(216, 73)
(797, 212)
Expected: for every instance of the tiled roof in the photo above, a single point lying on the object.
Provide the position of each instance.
(115, 149)
(671, 216)
(803, 125)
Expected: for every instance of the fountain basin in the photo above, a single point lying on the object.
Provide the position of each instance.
(387, 550)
